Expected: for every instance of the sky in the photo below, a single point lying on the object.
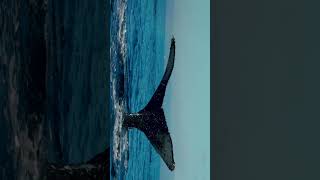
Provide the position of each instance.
(187, 101)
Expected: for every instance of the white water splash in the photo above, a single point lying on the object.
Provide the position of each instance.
(120, 134)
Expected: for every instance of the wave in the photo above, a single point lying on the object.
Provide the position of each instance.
(118, 70)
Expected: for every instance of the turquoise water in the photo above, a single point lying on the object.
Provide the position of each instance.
(137, 51)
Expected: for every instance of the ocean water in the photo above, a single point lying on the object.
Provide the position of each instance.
(137, 65)
(54, 90)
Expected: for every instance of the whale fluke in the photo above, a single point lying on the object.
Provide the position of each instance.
(157, 98)
(151, 119)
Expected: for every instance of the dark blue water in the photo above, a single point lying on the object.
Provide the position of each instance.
(54, 90)
(137, 55)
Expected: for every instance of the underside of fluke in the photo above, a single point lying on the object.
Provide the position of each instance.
(151, 119)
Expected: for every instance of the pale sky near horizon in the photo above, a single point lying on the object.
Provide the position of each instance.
(187, 101)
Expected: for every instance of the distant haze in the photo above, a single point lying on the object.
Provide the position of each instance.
(187, 102)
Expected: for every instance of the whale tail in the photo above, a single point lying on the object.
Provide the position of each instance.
(151, 119)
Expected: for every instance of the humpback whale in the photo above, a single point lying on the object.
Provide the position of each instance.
(151, 119)
(95, 168)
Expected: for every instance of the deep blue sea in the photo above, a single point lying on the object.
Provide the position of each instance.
(54, 90)
(137, 65)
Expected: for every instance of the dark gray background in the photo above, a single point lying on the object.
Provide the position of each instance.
(266, 90)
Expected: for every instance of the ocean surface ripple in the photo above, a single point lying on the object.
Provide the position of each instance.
(137, 60)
